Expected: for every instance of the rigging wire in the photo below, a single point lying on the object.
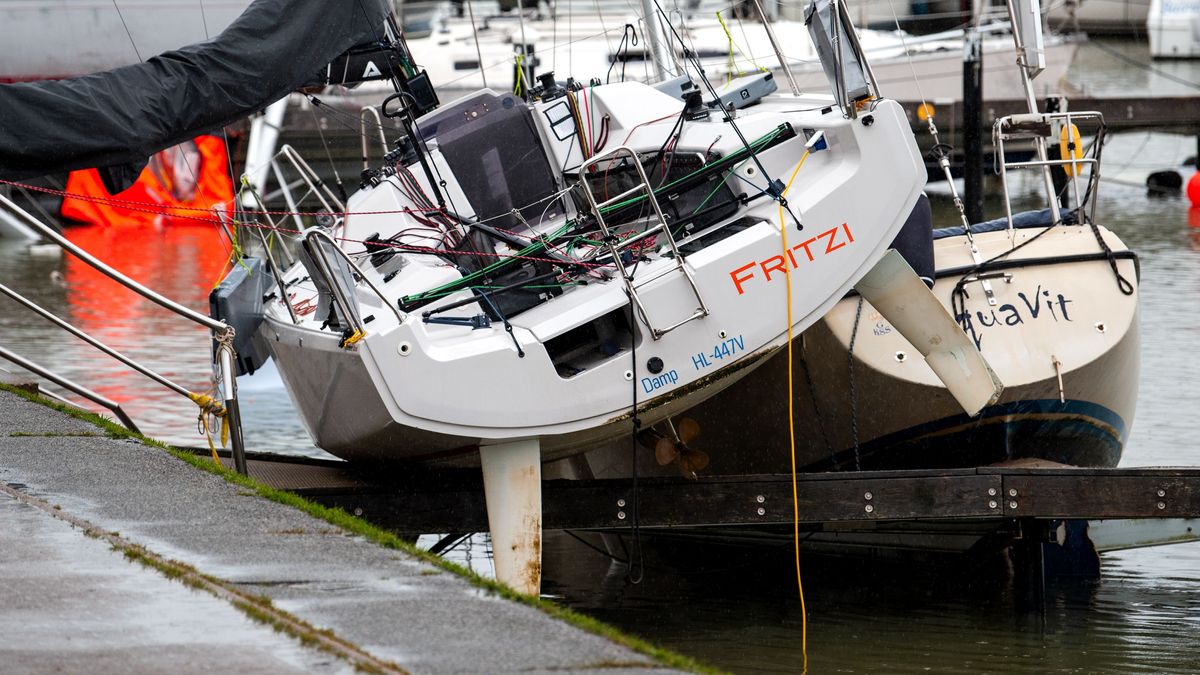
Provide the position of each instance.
(127, 33)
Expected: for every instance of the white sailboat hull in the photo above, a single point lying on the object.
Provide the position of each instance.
(424, 391)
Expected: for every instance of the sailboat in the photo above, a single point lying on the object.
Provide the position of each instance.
(525, 278)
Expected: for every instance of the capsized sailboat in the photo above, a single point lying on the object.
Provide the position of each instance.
(526, 278)
(523, 280)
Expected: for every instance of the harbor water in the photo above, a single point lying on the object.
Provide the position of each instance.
(738, 609)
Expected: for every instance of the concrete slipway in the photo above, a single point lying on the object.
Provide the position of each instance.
(116, 556)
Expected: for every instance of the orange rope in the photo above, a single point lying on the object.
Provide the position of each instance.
(791, 421)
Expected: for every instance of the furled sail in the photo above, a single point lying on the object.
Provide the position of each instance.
(122, 116)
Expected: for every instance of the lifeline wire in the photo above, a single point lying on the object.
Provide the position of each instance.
(787, 273)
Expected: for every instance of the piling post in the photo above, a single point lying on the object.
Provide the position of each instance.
(973, 124)
(1029, 567)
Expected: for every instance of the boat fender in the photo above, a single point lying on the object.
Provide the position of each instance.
(238, 301)
(1070, 147)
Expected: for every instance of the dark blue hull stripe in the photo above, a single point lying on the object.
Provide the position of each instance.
(1075, 432)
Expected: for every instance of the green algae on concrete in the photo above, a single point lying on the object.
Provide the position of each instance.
(381, 537)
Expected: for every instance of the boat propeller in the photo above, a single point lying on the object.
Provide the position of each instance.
(677, 446)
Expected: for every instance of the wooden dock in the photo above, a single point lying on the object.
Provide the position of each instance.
(453, 501)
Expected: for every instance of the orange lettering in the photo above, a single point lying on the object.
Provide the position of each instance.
(737, 281)
(830, 248)
(804, 245)
(777, 265)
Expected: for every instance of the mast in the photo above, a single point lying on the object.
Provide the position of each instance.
(972, 113)
(656, 42)
(1026, 19)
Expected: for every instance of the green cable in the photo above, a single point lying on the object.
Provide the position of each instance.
(753, 146)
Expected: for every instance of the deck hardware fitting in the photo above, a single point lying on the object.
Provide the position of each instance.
(1062, 396)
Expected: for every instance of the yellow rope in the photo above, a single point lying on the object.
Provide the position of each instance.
(732, 46)
(791, 419)
(517, 86)
(353, 339)
(210, 408)
(732, 64)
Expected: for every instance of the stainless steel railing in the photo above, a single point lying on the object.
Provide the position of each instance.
(222, 334)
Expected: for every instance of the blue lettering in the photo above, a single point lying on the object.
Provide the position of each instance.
(1036, 306)
(650, 384)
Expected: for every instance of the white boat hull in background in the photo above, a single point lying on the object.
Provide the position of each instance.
(911, 69)
(1174, 29)
(52, 39)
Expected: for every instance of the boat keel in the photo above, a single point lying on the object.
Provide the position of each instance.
(512, 485)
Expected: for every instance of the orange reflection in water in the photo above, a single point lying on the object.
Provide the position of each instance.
(182, 262)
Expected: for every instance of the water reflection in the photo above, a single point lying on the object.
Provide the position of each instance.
(182, 262)
(737, 608)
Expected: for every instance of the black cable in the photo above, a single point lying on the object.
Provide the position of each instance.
(853, 396)
(337, 177)
(636, 570)
(622, 52)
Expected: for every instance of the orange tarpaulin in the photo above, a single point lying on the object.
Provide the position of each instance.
(194, 175)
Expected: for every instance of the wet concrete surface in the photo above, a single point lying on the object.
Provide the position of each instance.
(72, 604)
(397, 608)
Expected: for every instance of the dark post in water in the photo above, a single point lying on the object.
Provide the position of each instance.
(973, 124)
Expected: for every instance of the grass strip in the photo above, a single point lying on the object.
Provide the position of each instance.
(384, 538)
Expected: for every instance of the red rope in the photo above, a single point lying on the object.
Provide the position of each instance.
(164, 209)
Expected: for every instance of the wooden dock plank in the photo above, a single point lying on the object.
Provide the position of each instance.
(1091, 496)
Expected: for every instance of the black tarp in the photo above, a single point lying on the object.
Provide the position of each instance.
(122, 116)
